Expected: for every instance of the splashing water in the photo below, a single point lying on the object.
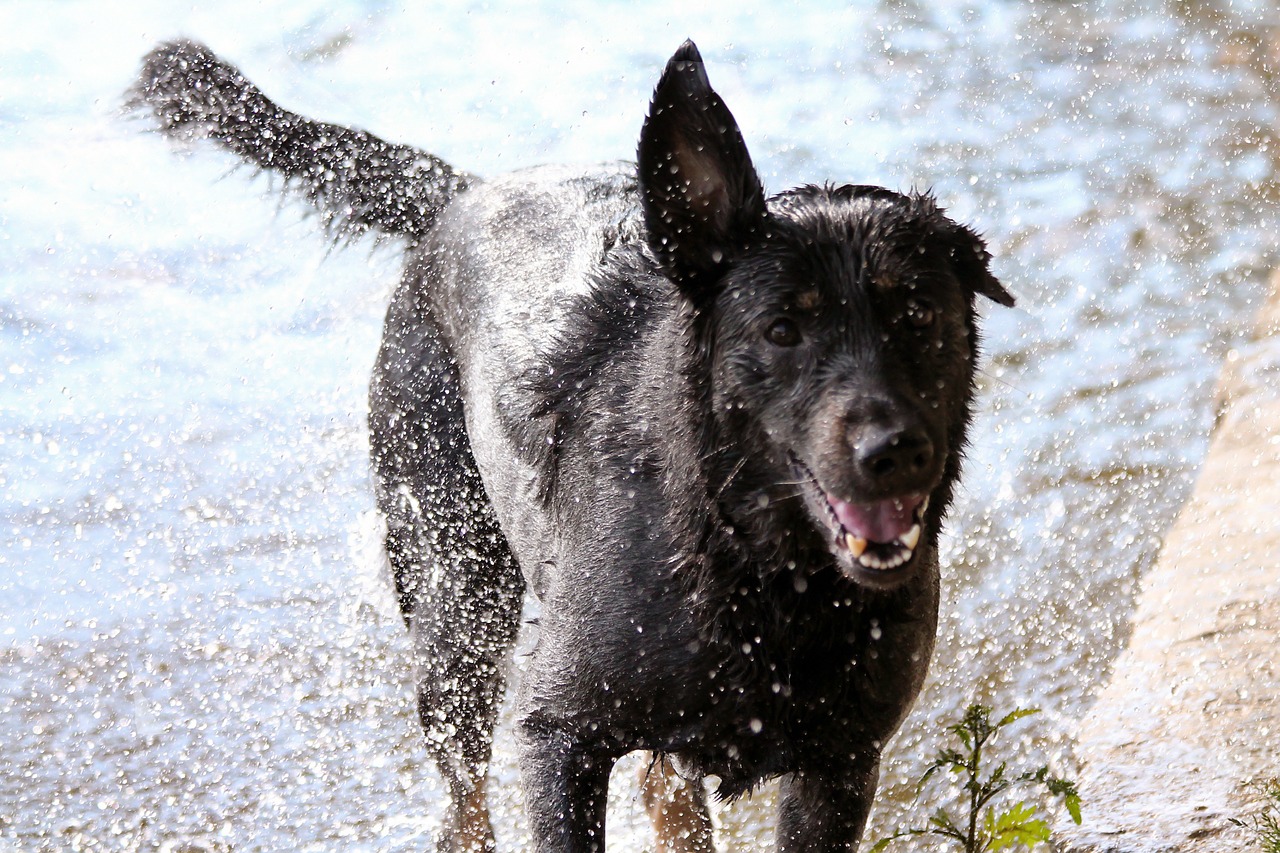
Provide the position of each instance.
(193, 654)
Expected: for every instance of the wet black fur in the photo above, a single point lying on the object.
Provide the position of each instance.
(639, 392)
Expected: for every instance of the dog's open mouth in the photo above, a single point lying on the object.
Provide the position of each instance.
(879, 536)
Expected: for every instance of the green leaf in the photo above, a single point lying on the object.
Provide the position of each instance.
(1072, 802)
(1016, 825)
(882, 844)
(1041, 775)
(1015, 715)
(942, 820)
(997, 775)
(925, 778)
(950, 759)
(1060, 787)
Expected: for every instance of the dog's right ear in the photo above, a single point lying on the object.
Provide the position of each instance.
(972, 263)
(701, 195)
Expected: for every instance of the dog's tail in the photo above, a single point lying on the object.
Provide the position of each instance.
(356, 181)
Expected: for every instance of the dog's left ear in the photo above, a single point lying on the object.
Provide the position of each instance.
(972, 264)
(701, 195)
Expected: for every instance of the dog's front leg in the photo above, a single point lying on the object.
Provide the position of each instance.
(821, 814)
(566, 783)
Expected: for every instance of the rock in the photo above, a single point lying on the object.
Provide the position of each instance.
(1189, 723)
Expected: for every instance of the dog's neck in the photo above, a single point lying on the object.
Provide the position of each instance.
(736, 557)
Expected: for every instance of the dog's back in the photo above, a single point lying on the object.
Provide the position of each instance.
(506, 271)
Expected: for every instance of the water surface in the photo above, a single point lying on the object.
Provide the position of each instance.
(196, 651)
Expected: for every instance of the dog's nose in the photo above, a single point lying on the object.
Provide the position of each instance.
(893, 455)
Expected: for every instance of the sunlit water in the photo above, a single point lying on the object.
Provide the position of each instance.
(196, 652)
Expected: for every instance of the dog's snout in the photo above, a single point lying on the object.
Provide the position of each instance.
(893, 455)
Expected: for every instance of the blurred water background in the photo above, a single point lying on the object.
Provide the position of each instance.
(196, 651)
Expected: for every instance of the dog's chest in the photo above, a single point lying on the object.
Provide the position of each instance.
(817, 703)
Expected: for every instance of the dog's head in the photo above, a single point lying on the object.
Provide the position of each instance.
(838, 330)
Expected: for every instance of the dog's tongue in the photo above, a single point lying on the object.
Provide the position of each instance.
(882, 521)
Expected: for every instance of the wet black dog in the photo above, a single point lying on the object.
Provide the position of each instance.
(716, 434)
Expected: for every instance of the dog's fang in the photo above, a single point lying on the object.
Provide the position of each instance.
(856, 546)
(911, 538)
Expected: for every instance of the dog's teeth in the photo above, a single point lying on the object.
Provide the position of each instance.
(856, 546)
(911, 538)
(873, 560)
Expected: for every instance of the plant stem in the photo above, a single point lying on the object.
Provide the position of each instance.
(975, 762)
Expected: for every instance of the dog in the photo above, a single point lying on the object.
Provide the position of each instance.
(714, 433)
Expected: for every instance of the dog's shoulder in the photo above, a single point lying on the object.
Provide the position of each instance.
(590, 370)
(547, 287)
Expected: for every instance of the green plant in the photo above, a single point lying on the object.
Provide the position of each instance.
(986, 827)
(1266, 823)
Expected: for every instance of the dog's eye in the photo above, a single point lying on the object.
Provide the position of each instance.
(920, 314)
(784, 333)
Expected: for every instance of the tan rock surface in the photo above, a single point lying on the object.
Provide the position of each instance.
(1190, 719)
